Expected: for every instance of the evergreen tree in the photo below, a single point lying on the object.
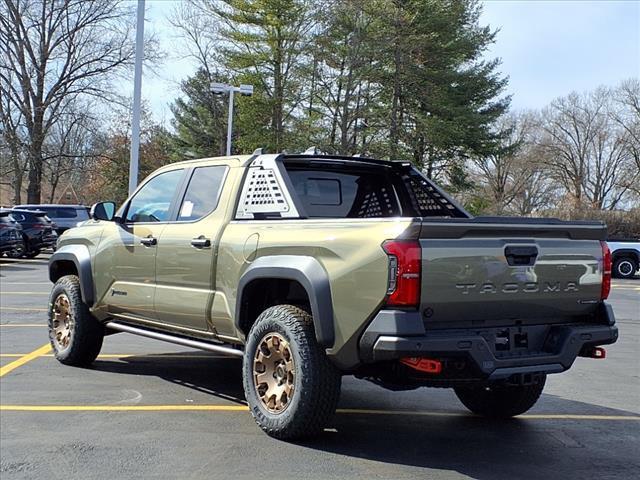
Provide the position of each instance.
(443, 97)
(264, 43)
(199, 119)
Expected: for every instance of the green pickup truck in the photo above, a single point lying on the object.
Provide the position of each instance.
(310, 267)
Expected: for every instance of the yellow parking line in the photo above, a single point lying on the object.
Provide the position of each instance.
(24, 293)
(23, 324)
(243, 408)
(526, 417)
(24, 359)
(122, 408)
(23, 309)
(125, 355)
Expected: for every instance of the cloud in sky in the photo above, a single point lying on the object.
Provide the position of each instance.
(548, 48)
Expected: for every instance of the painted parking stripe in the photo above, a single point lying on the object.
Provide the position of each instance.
(24, 293)
(22, 309)
(25, 359)
(177, 356)
(23, 324)
(244, 408)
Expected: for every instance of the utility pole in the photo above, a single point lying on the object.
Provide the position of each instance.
(137, 92)
(221, 88)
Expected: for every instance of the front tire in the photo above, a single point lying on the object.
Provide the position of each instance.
(625, 267)
(75, 334)
(501, 400)
(291, 387)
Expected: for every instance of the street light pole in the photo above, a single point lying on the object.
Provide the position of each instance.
(221, 88)
(137, 91)
(230, 122)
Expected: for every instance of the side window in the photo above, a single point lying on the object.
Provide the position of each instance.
(64, 213)
(153, 200)
(202, 193)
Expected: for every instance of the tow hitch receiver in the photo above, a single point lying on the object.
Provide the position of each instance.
(598, 352)
(426, 365)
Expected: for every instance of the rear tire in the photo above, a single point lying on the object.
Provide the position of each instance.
(282, 355)
(31, 254)
(75, 334)
(17, 251)
(624, 267)
(501, 400)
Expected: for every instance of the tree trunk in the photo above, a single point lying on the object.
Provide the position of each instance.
(34, 189)
(395, 102)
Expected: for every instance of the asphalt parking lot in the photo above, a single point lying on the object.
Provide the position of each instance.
(152, 410)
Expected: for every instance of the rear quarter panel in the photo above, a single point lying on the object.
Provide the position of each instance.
(349, 251)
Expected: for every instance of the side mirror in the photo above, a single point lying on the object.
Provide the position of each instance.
(103, 211)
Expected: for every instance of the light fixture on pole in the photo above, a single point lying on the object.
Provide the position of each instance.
(221, 88)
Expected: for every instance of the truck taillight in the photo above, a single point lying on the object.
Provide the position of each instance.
(606, 271)
(405, 264)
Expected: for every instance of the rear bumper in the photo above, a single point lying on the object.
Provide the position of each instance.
(46, 241)
(550, 348)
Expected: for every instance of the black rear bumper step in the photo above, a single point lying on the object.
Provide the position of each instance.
(393, 335)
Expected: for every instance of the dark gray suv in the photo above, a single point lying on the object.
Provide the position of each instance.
(64, 216)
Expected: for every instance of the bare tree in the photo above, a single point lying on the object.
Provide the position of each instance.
(627, 115)
(69, 147)
(586, 150)
(506, 172)
(13, 163)
(52, 51)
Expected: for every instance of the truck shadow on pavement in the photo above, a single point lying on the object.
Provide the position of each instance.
(468, 445)
(208, 374)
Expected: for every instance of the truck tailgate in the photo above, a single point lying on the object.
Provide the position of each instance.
(505, 271)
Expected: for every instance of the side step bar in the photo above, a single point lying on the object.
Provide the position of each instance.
(185, 342)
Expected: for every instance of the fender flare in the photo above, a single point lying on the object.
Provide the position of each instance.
(79, 255)
(310, 274)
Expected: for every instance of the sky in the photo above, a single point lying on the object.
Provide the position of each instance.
(548, 48)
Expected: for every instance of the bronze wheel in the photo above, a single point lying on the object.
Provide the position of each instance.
(62, 321)
(274, 372)
(75, 334)
(291, 387)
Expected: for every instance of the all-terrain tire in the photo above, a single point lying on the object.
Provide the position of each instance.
(85, 332)
(501, 400)
(624, 267)
(316, 382)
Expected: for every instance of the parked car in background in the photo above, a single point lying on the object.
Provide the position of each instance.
(11, 242)
(626, 257)
(64, 216)
(38, 231)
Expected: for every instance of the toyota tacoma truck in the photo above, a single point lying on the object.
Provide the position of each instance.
(310, 267)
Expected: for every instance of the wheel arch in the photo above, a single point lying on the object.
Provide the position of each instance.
(626, 252)
(303, 271)
(74, 260)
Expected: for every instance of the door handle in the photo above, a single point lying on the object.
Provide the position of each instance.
(201, 242)
(149, 241)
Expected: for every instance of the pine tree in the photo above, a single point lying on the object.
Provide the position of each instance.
(199, 119)
(264, 44)
(443, 96)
